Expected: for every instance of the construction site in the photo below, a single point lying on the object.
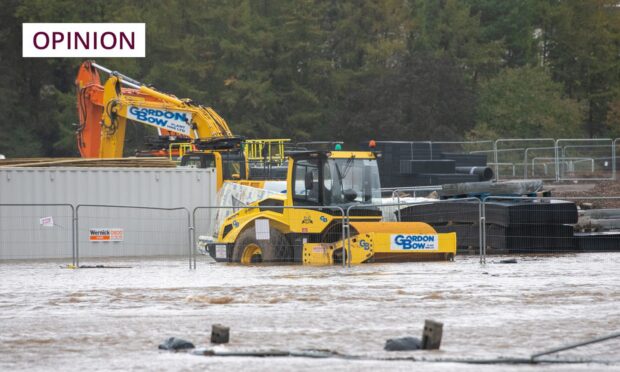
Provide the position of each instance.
(455, 221)
(315, 185)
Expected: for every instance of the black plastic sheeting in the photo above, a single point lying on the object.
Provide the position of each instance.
(500, 213)
(516, 226)
(515, 239)
(527, 239)
(598, 242)
(467, 236)
(427, 166)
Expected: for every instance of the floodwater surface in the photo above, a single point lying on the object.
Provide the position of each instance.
(113, 319)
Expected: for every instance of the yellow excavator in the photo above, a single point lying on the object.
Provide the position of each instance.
(306, 224)
(194, 133)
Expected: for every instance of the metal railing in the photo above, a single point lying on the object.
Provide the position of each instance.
(497, 150)
(561, 145)
(153, 235)
(565, 155)
(40, 233)
(520, 156)
(505, 225)
(550, 225)
(265, 150)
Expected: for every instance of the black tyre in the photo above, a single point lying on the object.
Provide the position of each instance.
(248, 249)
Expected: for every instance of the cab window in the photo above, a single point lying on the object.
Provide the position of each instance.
(306, 181)
(233, 169)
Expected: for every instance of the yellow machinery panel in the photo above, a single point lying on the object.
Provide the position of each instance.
(390, 246)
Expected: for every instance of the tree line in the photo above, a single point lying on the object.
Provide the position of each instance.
(337, 70)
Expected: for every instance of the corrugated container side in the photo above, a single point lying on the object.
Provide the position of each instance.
(146, 232)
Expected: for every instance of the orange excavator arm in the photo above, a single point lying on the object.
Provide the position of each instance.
(90, 110)
(90, 104)
(104, 109)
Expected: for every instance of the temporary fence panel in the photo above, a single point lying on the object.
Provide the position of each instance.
(511, 156)
(539, 163)
(36, 231)
(517, 158)
(585, 159)
(126, 231)
(143, 187)
(464, 147)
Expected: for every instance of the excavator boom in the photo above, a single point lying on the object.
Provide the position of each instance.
(104, 109)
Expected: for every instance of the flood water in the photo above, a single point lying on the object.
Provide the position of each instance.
(113, 319)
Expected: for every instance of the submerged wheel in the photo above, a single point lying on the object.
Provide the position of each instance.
(251, 254)
(248, 249)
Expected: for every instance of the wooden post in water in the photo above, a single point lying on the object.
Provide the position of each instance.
(220, 334)
(431, 336)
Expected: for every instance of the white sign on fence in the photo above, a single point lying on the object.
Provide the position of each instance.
(46, 221)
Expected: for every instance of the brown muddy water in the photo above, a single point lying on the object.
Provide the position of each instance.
(113, 319)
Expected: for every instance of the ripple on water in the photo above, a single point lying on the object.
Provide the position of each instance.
(91, 318)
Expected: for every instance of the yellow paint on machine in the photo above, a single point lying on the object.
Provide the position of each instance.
(318, 230)
(377, 247)
(394, 227)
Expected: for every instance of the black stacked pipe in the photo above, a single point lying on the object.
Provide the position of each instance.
(404, 164)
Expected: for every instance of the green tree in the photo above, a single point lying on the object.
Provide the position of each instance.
(514, 24)
(450, 28)
(525, 103)
(426, 98)
(333, 69)
(582, 40)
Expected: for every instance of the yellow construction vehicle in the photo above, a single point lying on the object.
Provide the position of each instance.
(306, 224)
(186, 130)
(104, 110)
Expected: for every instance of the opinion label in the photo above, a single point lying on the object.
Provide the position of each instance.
(45, 40)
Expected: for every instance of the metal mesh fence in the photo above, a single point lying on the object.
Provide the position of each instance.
(551, 159)
(528, 158)
(550, 225)
(585, 159)
(105, 232)
(499, 225)
(512, 158)
(36, 231)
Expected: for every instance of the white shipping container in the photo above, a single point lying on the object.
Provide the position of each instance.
(145, 232)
